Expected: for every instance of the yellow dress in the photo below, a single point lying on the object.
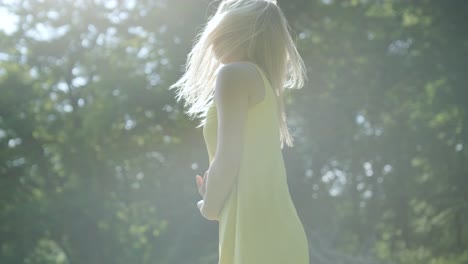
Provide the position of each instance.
(258, 223)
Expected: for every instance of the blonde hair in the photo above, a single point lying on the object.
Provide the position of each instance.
(260, 29)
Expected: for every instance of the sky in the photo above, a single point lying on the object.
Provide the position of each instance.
(8, 21)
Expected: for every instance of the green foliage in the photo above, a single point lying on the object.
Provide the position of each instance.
(97, 161)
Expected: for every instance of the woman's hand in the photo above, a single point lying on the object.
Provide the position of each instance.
(200, 204)
(201, 183)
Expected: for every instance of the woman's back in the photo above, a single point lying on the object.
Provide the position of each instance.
(258, 223)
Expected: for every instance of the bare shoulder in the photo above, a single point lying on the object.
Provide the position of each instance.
(239, 74)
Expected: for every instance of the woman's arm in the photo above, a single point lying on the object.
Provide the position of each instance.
(233, 84)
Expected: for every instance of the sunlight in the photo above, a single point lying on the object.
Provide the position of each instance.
(8, 23)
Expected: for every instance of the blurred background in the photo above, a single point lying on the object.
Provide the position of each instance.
(98, 161)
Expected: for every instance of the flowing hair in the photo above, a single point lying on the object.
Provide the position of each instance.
(260, 29)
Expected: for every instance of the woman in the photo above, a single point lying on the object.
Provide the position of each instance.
(236, 74)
